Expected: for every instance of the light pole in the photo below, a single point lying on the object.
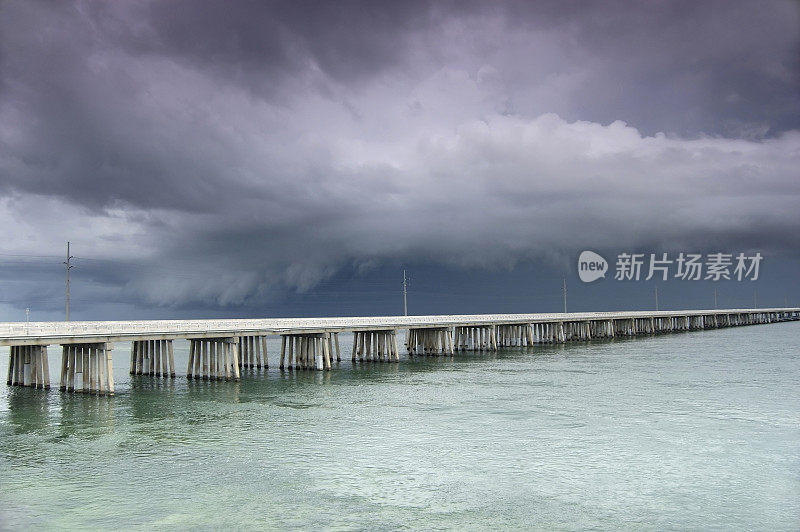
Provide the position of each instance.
(405, 294)
(69, 267)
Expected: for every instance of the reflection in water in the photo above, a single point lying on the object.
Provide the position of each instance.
(302, 377)
(148, 383)
(28, 409)
(253, 372)
(222, 390)
(79, 412)
(151, 398)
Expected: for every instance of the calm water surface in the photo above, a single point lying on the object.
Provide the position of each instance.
(694, 430)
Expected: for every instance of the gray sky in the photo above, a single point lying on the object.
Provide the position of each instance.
(244, 158)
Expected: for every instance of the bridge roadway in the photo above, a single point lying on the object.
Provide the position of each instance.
(219, 348)
(61, 332)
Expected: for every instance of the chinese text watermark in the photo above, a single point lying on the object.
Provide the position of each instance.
(663, 266)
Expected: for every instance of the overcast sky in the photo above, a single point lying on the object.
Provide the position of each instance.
(211, 158)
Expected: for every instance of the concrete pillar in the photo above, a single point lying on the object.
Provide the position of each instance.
(28, 366)
(213, 358)
(94, 364)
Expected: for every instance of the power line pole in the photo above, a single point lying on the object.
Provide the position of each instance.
(656, 299)
(405, 294)
(565, 295)
(69, 267)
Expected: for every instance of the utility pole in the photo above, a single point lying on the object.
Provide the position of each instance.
(27, 319)
(565, 295)
(656, 299)
(69, 267)
(405, 294)
(715, 298)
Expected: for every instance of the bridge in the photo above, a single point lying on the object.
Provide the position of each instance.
(219, 349)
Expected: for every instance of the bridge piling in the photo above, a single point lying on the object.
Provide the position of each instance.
(472, 338)
(213, 359)
(431, 341)
(374, 346)
(93, 362)
(28, 366)
(253, 352)
(154, 358)
(308, 351)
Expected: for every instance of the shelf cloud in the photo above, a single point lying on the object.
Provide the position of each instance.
(264, 147)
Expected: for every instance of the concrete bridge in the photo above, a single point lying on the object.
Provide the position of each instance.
(218, 349)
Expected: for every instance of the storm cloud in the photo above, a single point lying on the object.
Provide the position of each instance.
(217, 153)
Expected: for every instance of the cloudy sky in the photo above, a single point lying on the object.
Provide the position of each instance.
(218, 158)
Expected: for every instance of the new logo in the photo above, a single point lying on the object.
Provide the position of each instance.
(591, 266)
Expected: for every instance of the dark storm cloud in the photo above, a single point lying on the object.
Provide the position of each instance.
(244, 147)
(685, 67)
(266, 41)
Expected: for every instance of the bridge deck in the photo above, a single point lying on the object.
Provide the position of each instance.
(40, 333)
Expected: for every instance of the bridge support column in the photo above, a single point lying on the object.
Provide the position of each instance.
(376, 346)
(93, 363)
(515, 335)
(545, 332)
(152, 357)
(308, 351)
(539, 332)
(431, 341)
(253, 352)
(473, 338)
(298, 351)
(28, 366)
(335, 338)
(213, 359)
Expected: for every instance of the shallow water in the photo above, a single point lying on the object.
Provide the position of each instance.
(695, 430)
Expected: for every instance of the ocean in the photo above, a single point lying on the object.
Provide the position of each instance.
(695, 430)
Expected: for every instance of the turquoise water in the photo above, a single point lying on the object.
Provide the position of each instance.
(696, 430)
